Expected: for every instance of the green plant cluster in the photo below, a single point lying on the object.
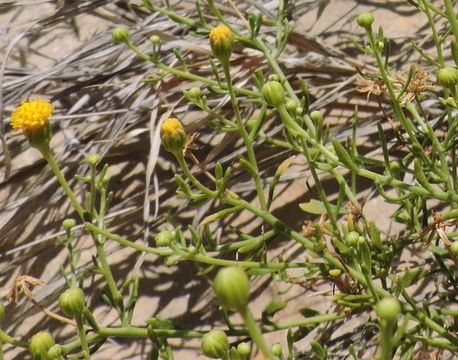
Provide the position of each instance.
(341, 246)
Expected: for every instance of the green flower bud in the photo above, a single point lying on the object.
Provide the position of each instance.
(447, 76)
(243, 349)
(72, 302)
(173, 135)
(120, 34)
(40, 343)
(68, 224)
(155, 40)
(55, 352)
(2, 311)
(277, 350)
(316, 116)
(450, 102)
(273, 93)
(215, 344)
(352, 238)
(221, 42)
(365, 20)
(454, 248)
(395, 167)
(93, 159)
(291, 106)
(388, 309)
(299, 110)
(232, 287)
(164, 238)
(194, 93)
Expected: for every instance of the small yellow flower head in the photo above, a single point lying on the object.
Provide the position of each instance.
(32, 116)
(173, 135)
(222, 42)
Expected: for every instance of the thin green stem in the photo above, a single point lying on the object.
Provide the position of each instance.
(82, 336)
(246, 138)
(451, 15)
(256, 334)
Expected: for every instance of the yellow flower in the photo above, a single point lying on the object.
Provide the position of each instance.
(32, 116)
(173, 135)
(222, 42)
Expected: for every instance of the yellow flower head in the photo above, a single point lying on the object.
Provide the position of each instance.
(32, 116)
(173, 135)
(222, 42)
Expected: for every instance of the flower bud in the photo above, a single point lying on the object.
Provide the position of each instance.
(316, 116)
(291, 106)
(55, 352)
(277, 350)
(164, 238)
(232, 287)
(72, 302)
(68, 224)
(243, 349)
(120, 34)
(40, 343)
(155, 40)
(173, 135)
(93, 159)
(388, 309)
(273, 93)
(194, 93)
(215, 344)
(447, 76)
(365, 20)
(352, 238)
(222, 42)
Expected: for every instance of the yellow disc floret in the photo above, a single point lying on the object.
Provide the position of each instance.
(32, 116)
(173, 135)
(222, 42)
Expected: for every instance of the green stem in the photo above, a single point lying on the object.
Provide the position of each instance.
(451, 15)
(83, 339)
(246, 138)
(4, 338)
(256, 334)
(386, 342)
(49, 157)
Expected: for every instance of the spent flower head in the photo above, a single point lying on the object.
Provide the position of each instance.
(222, 42)
(32, 116)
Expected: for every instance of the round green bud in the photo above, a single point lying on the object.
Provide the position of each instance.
(155, 40)
(365, 20)
(299, 110)
(352, 238)
(273, 93)
(120, 34)
(380, 45)
(221, 42)
(2, 311)
(388, 309)
(40, 343)
(164, 238)
(194, 93)
(251, 122)
(93, 159)
(316, 116)
(68, 224)
(192, 249)
(232, 288)
(55, 352)
(215, 344)
(277, 350)
(447, 76)
(72, 302)
(291, 105)
(243, 349)
(454, 248)
(395, 167)
(450, 102)
(273, 77)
